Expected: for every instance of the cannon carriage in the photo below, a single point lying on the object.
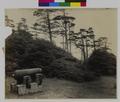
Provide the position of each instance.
(27, 81)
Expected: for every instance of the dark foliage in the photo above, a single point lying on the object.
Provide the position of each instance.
(102, 62)
(22, 51)
(70, 69)
(16, 45)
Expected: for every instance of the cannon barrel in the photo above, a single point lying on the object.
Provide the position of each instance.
(24, 72)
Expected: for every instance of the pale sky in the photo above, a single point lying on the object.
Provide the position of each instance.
(103, 21)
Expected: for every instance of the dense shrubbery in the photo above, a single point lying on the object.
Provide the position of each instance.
(102, 62)
(22, 51)
(66, 69)
(16, 45)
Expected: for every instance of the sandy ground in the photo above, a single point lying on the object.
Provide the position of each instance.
(62, 89)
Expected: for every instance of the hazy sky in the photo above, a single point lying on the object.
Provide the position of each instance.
(103, 21)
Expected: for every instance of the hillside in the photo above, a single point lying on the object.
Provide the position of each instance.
(22, 51)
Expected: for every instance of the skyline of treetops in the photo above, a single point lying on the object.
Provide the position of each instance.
(54, 24)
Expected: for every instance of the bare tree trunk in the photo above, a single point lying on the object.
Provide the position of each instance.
(86, 49)
(94, 44)
(83, 49)
(70, 47)
(70, 43)
(63, 42)
(66, 36)
(49, 26)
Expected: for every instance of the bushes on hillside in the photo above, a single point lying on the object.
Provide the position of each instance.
(16, 45)
(102, 62)
(69, 69)
(30, 53)
(22, 51)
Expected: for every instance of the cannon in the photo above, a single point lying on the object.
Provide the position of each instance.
(19, 74)
(27, 81)
(23, 72)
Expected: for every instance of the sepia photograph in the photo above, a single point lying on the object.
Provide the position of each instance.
(66, 53)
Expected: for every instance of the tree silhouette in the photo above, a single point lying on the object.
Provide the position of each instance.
(22, 26)
(71, 33)
(85, 40)
(9, 22)
(66, 24)
(103, 42)
(44, 23)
